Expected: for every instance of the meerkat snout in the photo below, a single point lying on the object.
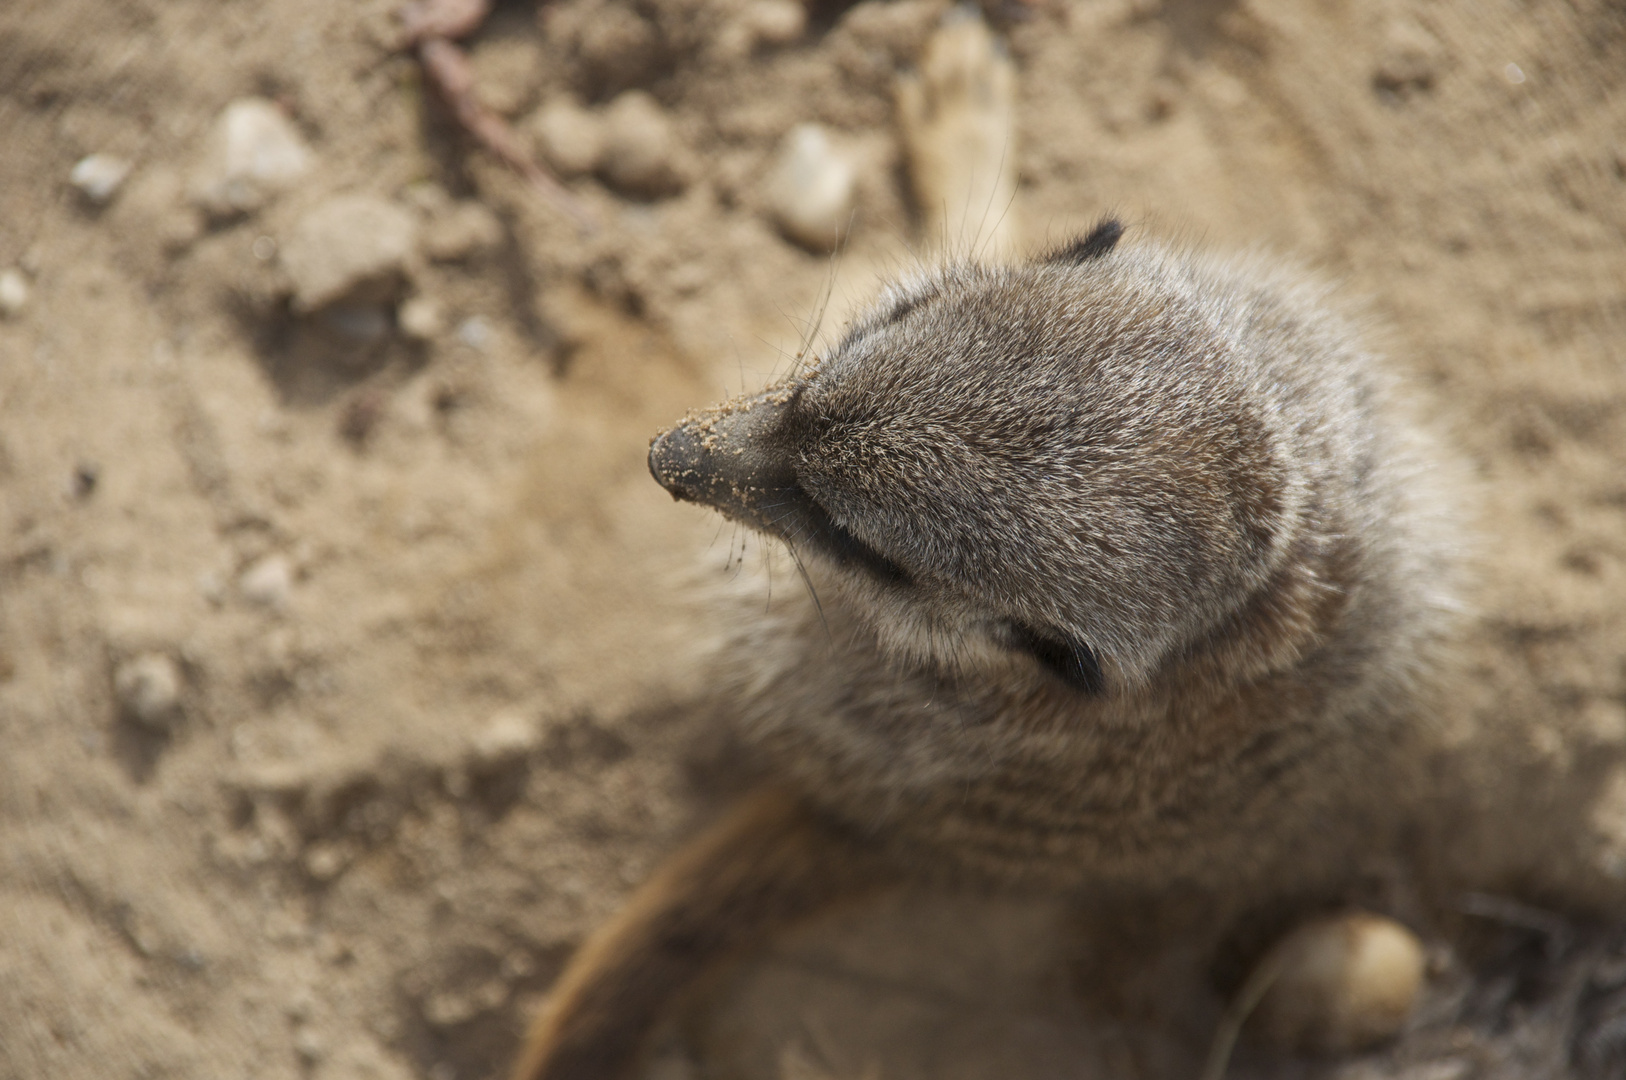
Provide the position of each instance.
(740, 460)
(732, 459)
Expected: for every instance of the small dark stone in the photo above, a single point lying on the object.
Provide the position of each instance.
(85, 476)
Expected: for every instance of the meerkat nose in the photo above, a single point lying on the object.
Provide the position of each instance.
(675, 462)
(724, 460)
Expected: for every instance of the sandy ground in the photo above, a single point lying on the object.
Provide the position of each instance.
(433, 637)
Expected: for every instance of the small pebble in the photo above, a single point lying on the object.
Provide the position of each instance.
(465, 230)
(86, 475)
(448, 1008)
(149, 690)
(211, 587)
(420, 318)
(764, 23)
(615, 45)
(570, 137)
(506, 737)
(1342, 984)
(325, 861)
(896, 31)
(99, 176)
(427, 196)
(254, 153)
(331, 949)
(310, 1046)
(506, 71)
(641, 148)
(348, 247)
(474, 332)
(1408, 58)
(358, 322)
(13, 292)
(811, 188)
(775, 22)
(268, 582)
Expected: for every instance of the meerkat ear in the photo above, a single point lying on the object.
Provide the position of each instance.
(1098, 242)
(1069, 659)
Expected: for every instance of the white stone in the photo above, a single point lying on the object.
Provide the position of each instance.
(268, 582)
(254, 153)
(326, 861)
(99, 176)
(13, 292)
(420, 318)
(474, 332)
(570, 137)
(811, 188)
(641, 151)
(1408, 57)
(775, 22)
(149, 689)
(309, 1045)
(506, 737)
(461, 231)
(349, 247)
(447, 1009)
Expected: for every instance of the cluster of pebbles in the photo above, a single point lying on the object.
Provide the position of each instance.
(635, 147)
(349, 260)
(353, 260)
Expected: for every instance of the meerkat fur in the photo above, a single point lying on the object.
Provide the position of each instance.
(1128, 567)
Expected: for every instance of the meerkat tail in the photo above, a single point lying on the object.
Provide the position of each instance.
(767, 864)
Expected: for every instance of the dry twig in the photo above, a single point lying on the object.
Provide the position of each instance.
(430, 26)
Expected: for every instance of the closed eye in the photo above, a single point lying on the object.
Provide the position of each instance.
(837, 543)
(1070, 660)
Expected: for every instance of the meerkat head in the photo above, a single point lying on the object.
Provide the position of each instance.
(1075, 462)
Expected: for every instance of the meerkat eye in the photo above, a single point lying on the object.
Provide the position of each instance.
(801, 519)
(822, 530)
(1067, 658)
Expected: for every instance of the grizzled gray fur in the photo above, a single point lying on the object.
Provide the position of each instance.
(1130, 567)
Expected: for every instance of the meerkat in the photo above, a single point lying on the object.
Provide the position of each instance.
(1126, 566)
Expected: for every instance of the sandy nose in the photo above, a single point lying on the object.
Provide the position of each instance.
(674, 462)
(730, 458)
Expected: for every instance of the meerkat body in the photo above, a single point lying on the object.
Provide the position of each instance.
(1127, 568)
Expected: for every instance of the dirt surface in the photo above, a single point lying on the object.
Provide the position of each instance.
(351, 666)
